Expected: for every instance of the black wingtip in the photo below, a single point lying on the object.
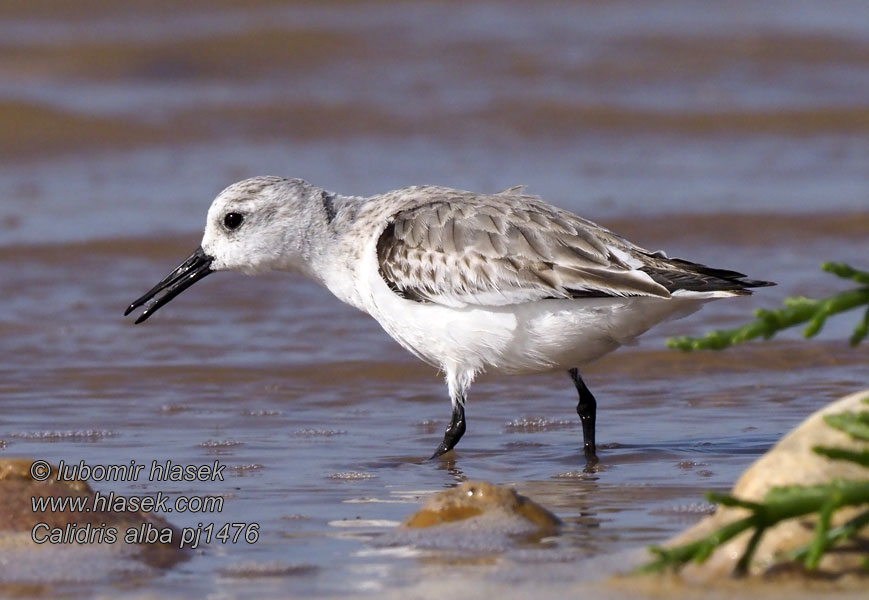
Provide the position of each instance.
(677, 274)
(753, 283)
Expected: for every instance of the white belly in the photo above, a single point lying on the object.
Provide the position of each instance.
(517, 339)
(520, 338)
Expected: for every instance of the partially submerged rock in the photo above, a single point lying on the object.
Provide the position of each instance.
(74, 544)
(474, 499)
(790, 462)
(474, 522)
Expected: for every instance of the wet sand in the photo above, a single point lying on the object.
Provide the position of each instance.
(731, 136)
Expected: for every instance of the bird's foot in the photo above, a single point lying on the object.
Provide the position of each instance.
(591, 460)
(453, 433)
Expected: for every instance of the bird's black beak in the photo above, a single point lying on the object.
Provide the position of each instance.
(197, 266)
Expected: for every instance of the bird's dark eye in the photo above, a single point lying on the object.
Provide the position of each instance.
(233, 220)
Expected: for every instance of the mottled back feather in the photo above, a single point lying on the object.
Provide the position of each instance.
(460, 248)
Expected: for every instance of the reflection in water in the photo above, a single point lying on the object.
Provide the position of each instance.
(448, 464)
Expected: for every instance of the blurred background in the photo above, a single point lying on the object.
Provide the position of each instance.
(731, 133)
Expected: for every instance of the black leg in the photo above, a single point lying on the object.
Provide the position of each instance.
(587, 411)
(454, 431)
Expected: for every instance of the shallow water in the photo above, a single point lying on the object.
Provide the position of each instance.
(733, 136)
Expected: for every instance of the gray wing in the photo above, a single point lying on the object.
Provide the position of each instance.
(460, 248)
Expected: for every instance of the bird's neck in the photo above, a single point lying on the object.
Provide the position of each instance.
(329, 254)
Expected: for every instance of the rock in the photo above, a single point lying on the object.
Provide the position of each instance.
(480, 499)
(61, 557)
(790, 462)
(475, 522)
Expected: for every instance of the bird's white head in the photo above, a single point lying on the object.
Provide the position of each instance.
(261, 224)
(255, 225)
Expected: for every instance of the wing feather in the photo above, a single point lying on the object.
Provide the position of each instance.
(463, 249)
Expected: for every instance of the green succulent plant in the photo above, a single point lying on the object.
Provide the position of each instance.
(797, 310)
(782, 503)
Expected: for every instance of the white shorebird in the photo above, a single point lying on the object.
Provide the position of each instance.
(467, 282)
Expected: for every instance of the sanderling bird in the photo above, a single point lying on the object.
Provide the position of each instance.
(467, 282)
